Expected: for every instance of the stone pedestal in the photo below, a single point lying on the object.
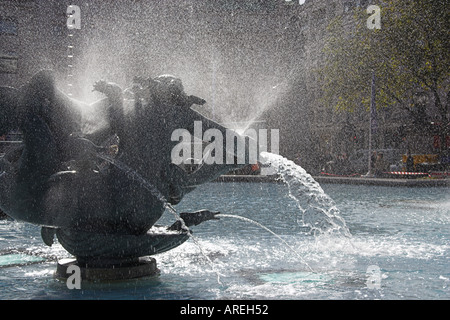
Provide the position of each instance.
(142, 267)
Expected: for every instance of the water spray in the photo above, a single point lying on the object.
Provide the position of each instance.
(73, 22)
(270, 231)
(134, 175)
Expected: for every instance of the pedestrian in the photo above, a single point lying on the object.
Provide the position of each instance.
(373, 159)
(409, 162)
(380, 165)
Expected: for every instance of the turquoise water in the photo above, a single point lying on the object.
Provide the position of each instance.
(404, 232)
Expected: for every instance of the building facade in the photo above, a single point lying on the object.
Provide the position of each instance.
(33, 36)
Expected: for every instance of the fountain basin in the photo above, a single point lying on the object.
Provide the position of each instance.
(141, 267)
(404, 231)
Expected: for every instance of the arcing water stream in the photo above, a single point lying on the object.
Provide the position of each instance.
(317, 210)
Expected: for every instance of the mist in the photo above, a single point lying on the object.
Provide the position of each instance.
(240, 64)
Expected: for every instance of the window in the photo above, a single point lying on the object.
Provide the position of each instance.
(8, 26)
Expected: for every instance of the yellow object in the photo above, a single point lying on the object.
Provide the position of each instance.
(422, 158)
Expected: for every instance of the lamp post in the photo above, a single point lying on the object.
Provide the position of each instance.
(420, 100)
(421, 125)
(372, 122)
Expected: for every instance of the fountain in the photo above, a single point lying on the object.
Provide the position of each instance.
(89, 174)
(104, 199)
(99, 177)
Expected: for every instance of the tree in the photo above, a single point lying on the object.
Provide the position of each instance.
(409, 56)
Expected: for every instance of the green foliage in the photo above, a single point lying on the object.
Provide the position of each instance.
(409, 54)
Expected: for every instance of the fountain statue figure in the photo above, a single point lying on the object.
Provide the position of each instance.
(85, 172)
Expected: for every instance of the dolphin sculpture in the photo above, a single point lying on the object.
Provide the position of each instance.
(100, 176)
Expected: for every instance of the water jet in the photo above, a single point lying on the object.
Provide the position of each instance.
(99, 181)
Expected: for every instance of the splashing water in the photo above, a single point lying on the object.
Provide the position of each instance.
(133, 174)
(318, 210)
(270, 231)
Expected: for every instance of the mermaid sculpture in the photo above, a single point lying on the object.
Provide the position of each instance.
(100, 176)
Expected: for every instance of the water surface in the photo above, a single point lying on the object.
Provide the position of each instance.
(404, 232)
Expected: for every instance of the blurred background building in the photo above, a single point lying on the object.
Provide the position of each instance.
(253, 61)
